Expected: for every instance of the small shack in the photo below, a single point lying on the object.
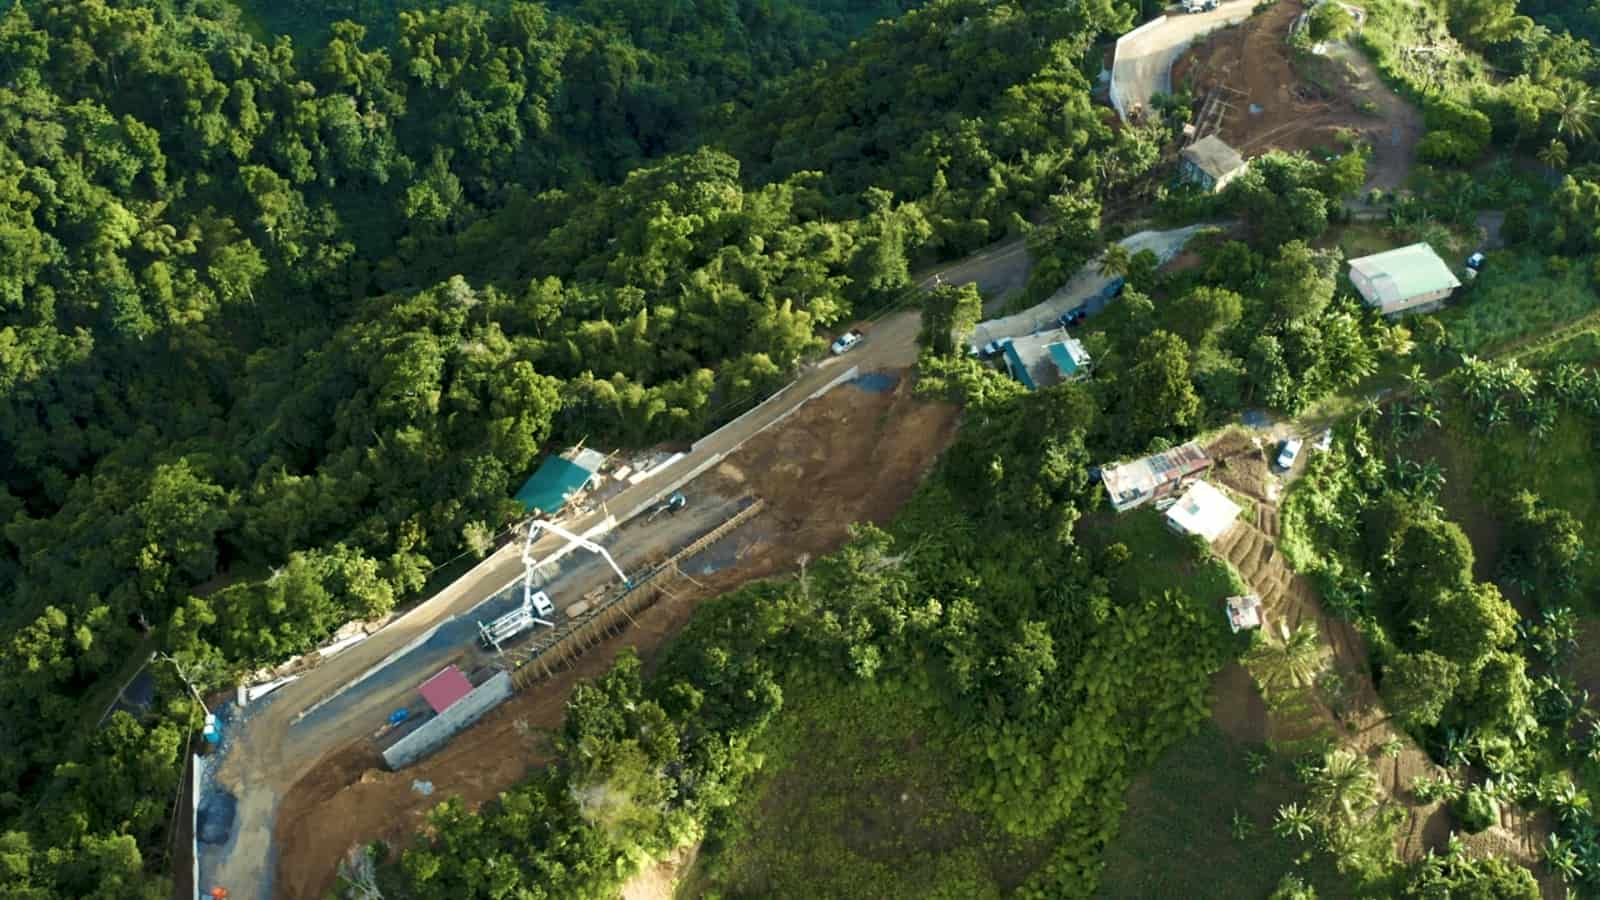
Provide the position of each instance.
(1210, 163)
(1202, 510)
(1159, 475)
(1047, 358)
(1405, 279)
(1244, 612)
(445, 688)
(558, 479)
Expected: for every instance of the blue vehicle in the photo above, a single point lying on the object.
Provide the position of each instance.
(1074, 316)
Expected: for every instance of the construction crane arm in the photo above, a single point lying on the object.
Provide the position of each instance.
(541, 525)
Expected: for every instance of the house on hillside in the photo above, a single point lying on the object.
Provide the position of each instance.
(1405, 279)
(1202, 510)
(1047, 358)
(1210, 163)
(559, 479)
(1159, 475)
(1244, 612)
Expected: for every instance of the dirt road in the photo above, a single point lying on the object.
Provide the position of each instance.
(1143, 63)
(276, 746)
(1280, 99)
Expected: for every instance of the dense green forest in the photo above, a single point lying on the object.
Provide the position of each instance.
(293, 294)
(283, 324)
(1055, 676)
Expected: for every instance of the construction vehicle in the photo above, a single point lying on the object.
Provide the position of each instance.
(670, 506)
(537, 608)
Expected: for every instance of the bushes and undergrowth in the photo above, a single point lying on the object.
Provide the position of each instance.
(1053, 670)
(1489, 691)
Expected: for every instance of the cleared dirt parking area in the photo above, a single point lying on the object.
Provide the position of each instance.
(1279, 101)
(1142, 66)
(853, 455)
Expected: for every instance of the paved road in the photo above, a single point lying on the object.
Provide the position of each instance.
(999, 272)
(1087, 284)
(270, 752)
(1143, 64)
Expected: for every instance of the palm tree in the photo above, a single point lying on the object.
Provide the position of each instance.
(1344, 784)
(1296, 662)
(1418, 383)
(1576, 109)
(1553, 154)
(1562, 861)
(1426, 414)
(1495, 415)
(1294, 821)
(1116, 261)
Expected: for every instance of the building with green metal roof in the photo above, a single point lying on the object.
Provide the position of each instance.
(557, 479)
(1405, 279)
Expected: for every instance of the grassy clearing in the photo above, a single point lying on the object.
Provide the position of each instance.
(1362, 238)
(1177, 835)
(1515, 296)
(858, 798)
(1162, 560)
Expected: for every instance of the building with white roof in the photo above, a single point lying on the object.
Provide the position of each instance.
(1203, 510)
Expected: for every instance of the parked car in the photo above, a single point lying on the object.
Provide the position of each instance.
(1288, 452)
(1073, 316)
(845, 341)
(542, 604)
(1196, 6)
(1474, 265)
(1324, 440)
(993, 349)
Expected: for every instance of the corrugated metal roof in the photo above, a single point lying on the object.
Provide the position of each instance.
(549, 488)
(1203, 510)
(1405, 272)
(1132, 483)
(445, 688)
(1213, 156)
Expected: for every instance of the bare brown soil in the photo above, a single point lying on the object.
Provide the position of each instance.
(850, 456)
(1237, 707)
(1299, 104)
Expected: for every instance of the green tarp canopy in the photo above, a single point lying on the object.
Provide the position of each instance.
(548, 489)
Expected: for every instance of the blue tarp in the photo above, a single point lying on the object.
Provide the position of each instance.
(548, 489)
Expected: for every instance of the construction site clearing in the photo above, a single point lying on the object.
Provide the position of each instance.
(855, 454)
(1253, 89)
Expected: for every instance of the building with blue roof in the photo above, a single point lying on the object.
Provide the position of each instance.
(1047, 358)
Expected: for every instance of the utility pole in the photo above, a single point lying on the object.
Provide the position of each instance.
(212, 733)
(184, 676)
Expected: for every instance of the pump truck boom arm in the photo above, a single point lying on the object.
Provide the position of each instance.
(541, 525)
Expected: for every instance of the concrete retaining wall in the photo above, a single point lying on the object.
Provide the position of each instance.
(683, 478)
(441, 728)
(197, 770)
(1118, 98)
